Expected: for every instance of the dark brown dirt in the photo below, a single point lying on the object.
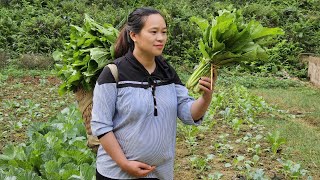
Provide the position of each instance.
(267, 162)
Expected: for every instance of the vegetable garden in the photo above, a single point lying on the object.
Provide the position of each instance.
(264, 119)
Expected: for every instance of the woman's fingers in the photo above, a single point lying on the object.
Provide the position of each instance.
(205, 82)
(139, 169)
(144, 166)
(205, 85)
(144, 172)
(204, 89)
(145, 169)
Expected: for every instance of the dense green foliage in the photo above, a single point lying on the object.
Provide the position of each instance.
(40, 27)
(54, 150)
(90, 48)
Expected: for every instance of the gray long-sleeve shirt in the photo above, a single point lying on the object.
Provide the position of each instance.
(141, 110)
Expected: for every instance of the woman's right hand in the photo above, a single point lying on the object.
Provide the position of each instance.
(138, 169)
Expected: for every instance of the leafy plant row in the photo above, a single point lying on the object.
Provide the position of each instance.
(244, 147)
(54, 150)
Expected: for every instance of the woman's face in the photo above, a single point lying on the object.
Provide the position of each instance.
(152, 37)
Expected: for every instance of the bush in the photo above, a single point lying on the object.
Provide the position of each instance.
(40, 27)
(35, 61)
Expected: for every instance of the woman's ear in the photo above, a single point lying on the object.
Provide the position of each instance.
(133, 36)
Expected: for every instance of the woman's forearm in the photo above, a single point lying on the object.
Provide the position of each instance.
(199, 107)
(111, 145)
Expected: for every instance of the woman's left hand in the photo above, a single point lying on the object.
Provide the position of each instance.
(207, 86)
(200, 106)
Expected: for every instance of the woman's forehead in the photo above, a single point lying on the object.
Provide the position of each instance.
(155, 21)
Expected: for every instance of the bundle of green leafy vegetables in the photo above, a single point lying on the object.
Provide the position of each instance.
(229, 40)
(89, 49)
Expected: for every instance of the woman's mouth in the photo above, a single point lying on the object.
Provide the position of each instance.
(159, 46)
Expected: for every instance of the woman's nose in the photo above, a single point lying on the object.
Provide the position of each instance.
(161, 37)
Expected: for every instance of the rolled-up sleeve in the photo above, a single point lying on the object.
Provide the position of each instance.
(104, 103)
(184, 106)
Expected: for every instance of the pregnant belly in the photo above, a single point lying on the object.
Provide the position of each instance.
(151, 149)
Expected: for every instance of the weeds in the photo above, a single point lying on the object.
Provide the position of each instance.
(34, 61)
(3, 59)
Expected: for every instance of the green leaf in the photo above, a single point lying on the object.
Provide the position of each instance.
(80, 41)
(87, 171)
(52, 168)
(18, 173)
(112, 51)
(12, 152)
(227, 165)
(77, 29)
(216, 45)
(68, 170)
(57, 55)
(100, 57)
(202, 48)
(229, 33)
(89, 42)
(239, 41)
(202, 23)
(76, 76)
(62, 88)
(258, 31)
(219, 58)
(79, 63)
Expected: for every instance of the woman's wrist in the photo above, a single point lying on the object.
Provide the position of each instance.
(206, 99)
(123, 164)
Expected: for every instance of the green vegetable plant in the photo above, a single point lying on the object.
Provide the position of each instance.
(54, 150)
(89, 49)
(226, 40)
(293, 170)
(237, 161)
(215, 176)
(256, 174)
(190, 135)
(276, 141)
(236, 124)
(201, 163)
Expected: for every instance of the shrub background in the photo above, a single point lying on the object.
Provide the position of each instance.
(42, 26)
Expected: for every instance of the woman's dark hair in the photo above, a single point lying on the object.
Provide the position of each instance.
(135, 23)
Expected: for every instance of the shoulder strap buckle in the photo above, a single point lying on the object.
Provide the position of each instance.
(114, 71)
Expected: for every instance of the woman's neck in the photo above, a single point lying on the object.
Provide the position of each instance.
(148, 62)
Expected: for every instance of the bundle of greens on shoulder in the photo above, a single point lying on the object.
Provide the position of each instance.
(89, 49)
(228, 40)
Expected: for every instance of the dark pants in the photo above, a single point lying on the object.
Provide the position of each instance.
(100, 177)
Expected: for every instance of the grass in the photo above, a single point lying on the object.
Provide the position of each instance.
(303, 141)
(300, 101)
(14, 71)
(302, 131)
